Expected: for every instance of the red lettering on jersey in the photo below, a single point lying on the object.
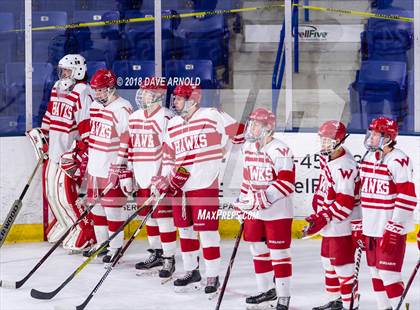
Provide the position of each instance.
(375, 186)
(144, 140)
(260, 173)
(100, 130)
(346, 174)
(190, 143)
(402, 161)
(284, 151)
(61, 109)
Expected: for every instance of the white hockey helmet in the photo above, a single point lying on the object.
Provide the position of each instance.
(71, 67)
(74, 62)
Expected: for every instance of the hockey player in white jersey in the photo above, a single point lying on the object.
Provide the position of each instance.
(336, 203)
(266, 200)
(65, 121)
(141, 148)
(108, 120)
(195, 139)
(388, 199)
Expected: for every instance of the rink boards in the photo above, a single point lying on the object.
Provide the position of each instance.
(17, 160)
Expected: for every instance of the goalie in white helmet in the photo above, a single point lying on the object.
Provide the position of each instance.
(65, 126)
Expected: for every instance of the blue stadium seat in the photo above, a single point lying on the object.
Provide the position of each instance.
(15, 93)
(203, 28)
(381, 90)
(93, 66)
(97, 16)
(193, 69)
(129, 74)
(47, 18)
(388, 39)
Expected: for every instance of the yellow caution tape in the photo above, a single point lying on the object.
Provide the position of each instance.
(219, 12)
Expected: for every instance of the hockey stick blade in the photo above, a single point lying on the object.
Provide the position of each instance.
(49, 295)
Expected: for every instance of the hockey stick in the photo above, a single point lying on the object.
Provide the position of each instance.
(19, 283)
(232, 259)
(17, 205)
(48, 295)
(120, 254)
(356, 272)
(410, 281)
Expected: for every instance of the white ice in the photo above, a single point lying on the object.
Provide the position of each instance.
(124, 290)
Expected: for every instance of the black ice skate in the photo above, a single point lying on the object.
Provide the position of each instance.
(99, 257)
(212, 287)
(190, 279)
(153, 260)
(332, 305)
(110, 257)
(168, 269)
(283, 303)
(262, 300)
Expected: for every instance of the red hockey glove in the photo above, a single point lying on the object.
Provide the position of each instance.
(74, 162)
(393, 236)
(114, 174)
(126, 182)
(172, 184)
(357, 233)
(317, 222)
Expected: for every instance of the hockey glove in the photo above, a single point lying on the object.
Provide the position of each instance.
(126, 182)
(392, 238)
(171, 184)
(357, 233)
(255, 201)
(74, 162)
(317, 222)
(114, 174)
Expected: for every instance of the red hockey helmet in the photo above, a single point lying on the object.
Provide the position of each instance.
(381, 132)
(332, 134)
(103, 83)
(103, 78)
(333, 129)
(261, 122)
(264, 116)
(191, 95)
(152, 90)
(386, 126)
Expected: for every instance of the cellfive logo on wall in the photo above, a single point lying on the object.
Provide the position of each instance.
(311, 32)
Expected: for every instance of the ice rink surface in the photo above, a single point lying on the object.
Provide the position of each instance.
(124, 290)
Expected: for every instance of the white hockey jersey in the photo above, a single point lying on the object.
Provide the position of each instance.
(141, 144)
(106, 127)
(270, 169)
(198, 145)
(66, 119)
(387, 192)
(338, 192)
